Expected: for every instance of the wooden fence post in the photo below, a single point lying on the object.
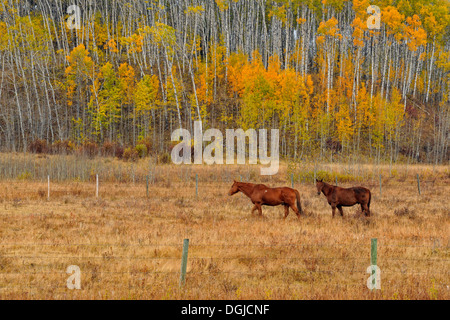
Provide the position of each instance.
(184, 262)
(418, 183)
(147, 186)
(48, 187)
(292, 180)
(336, 181)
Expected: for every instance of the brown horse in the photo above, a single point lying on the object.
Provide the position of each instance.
(261, 195)
(345, 197)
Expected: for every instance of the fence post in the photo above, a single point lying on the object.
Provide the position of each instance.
(336, 181)
(380, 187)
(96, 185)
(418, 183)
(184, 262)
(373, 260)
(48, 187)
(196, 185)
(147, 186)
(292, 180)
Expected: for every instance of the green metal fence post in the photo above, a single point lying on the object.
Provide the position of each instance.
(373, 260)
(418, 183)
(184, 262)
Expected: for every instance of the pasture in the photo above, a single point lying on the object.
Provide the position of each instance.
(128, 245)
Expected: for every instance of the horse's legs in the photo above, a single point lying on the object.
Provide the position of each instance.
(365, 209)
(340, 210)
(254, 208)
(333, 209)
(296, 210)
(258, 206)
(286, 211)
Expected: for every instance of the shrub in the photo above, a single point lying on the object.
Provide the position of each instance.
(38, 146)
(90, 149)
(141, 150)
(164, 158)
(334, 145)
(62, 147)
(118, 152)
(330, 177)
(130, 154)
(24, 176)
(108, 149)
(147, 142)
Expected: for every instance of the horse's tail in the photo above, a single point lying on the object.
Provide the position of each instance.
(299, 206)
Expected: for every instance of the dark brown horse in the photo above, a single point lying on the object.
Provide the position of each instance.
(345, 197)
(261, 194)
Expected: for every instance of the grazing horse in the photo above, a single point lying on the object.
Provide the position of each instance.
(261, 194)
(345, 197)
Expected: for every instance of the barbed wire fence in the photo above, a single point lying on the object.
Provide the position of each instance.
(15, 264)
(199, 184)
(14, 254)
(72, 168)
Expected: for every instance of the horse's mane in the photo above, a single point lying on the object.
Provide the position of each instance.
(240, 182)
(251, 184)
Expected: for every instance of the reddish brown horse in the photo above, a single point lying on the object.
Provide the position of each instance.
(345, 197)
(261, 194)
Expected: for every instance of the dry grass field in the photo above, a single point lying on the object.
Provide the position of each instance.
(129, 246)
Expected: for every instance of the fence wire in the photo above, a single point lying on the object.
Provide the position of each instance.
(320, 266)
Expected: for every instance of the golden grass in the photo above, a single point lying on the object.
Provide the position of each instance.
(129, 246)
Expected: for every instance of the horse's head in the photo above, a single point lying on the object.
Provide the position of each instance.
(319, 186)
(234, 188)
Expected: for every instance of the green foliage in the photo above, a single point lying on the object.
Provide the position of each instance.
(122, 78)
(141, 150)
(330, 177)
(24, 176)
(433, 291)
